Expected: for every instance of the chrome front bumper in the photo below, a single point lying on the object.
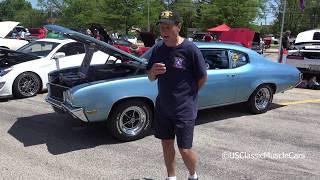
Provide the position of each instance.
(74, 112)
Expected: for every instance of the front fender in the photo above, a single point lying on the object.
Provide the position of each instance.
(98, 99)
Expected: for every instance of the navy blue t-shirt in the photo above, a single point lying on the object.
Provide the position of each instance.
(178, 86)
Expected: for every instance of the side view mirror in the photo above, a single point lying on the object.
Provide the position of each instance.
(59, 55)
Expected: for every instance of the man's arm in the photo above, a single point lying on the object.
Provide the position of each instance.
(151, 76)
(202, 81)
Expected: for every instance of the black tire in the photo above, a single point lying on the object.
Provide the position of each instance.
(135, 113)
(261, 99)
(27, 84)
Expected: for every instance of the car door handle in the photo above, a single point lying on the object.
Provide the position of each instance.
(231, 75)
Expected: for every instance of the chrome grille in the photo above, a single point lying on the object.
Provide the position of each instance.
(55, 91)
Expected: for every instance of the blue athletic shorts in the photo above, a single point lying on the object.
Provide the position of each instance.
(168, 128)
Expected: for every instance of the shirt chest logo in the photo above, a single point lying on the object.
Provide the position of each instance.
(179, 63)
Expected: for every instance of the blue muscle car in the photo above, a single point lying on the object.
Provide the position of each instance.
(120, 93)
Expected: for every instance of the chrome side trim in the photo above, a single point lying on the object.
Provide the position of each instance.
(218, 105)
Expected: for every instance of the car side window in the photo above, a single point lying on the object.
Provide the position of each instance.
(72, 48)
(216, 58)
(316, 36)
(238, 58)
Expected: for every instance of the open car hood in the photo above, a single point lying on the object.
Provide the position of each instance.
(6, 27)
(100, 45)
(240, 35)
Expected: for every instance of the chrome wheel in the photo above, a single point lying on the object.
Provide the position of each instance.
(262, 98)
(132, 120)
(28, 85)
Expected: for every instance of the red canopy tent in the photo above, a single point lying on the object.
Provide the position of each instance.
(220, 28)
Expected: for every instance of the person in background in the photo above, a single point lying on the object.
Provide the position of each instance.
(286, 40)
(313, 84)
(42, 33)
(285, 45)
(96, 34)
(88, 32)
(22, 34)
(207, 37)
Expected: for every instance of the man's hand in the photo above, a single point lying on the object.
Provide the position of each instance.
(156, 69)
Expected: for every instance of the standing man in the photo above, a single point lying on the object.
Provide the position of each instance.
(285, 44)
(286, 40)
(180, 69)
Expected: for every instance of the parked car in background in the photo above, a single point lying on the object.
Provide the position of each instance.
(130, 38)
(23, 73)
(306, 53)
(274, 40)
(199, 36)
(7, 38)
(122, 42)
(22, 32)
(129, 47)
(122, 95)
(245, 36)
(270, 39)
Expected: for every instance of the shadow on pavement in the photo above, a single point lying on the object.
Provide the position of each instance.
(63, 134)
(226, 112)
(60, 133)
(4, 99)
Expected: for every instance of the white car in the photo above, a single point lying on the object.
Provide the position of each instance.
(23, 73)
(10, 43)
(306, 53)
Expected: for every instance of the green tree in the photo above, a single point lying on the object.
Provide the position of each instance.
(156, 6)
(295, 20)
(80, 13)
(187, 10)
(9, 8)
(122, 15)
(235, 13)
(207, 13)
(21, 11)
(30, 17)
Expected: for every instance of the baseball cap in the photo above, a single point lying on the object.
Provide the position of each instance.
(169, 17)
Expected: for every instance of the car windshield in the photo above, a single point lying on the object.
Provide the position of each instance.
(38, 48)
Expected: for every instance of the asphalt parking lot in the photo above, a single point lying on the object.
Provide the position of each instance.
(283, 143)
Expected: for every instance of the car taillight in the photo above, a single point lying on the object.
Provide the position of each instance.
(296, 57)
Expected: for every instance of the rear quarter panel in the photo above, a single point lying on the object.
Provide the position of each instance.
(283, 76)
(263, 71)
